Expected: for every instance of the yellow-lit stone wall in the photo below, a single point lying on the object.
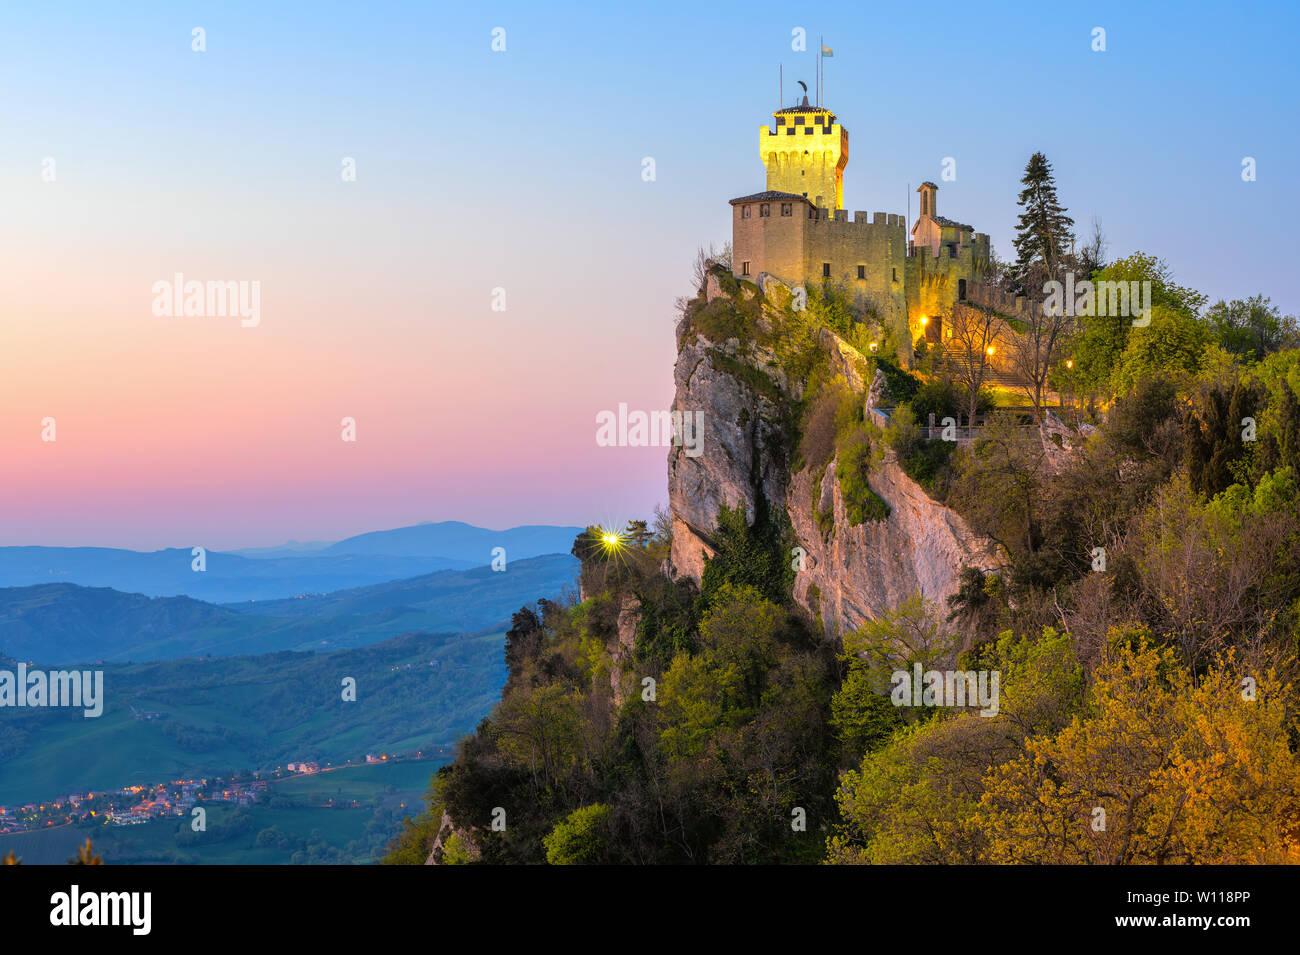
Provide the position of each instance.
(934, 283)
(805, 151)
(877, 243)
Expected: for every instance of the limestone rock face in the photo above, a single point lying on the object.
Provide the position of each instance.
(845, 360)
(851, 573)
(447, 828)
(858, 572)
(741, 453)
(877, 393)
(1060, 441)
(629, 615)
(712, 287)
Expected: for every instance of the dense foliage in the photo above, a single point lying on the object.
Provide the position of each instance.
(1144, 620)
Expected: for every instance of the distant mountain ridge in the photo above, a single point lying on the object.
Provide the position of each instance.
(285, 571)
(67, 623)
(456, 539)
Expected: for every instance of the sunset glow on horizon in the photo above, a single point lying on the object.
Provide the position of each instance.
(475, 171)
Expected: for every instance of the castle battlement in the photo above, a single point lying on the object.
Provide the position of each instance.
(1016, 306)
(825, 218)
(799, 232)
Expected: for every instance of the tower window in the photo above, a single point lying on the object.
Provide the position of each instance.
(744, 212)
(862, 271)
(808, 131)
(895, 270)
(744, 268)
(764, 210)
(826, 270)
(787, 208)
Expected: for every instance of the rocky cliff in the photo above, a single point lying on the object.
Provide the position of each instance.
(851, 572)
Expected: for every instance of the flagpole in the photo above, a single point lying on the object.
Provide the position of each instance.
(820, 67)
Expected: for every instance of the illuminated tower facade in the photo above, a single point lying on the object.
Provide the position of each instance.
(805, 151)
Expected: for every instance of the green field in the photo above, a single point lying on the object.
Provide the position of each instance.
(369, 782)
(306, 833)
(224, 715)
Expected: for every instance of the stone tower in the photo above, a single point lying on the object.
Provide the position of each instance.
(805, 152)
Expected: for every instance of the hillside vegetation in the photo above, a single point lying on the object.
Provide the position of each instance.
(1143, 623)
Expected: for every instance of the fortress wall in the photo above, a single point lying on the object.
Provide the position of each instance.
(774, 244)
(1014, 305)
(934, 282)
(878, 242)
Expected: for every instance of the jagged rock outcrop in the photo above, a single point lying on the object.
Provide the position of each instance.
(1060, 441)
(877, 392)
(851, 573)
(742, 449)
(856, 572)
(446, 829)
(629, 615)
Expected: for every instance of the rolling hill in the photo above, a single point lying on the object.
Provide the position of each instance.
(286, 571)
(67, 623)
(228, 577)
(252, 712)
(455, 539)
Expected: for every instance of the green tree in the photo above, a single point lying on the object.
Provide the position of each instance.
(580, 837)
(1174, 343)
(748, 555)
(1253, 328)
(1043, 233)
(1102, 339)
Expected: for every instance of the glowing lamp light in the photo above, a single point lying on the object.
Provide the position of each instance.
(990, 349)
(924, 320)
(1069, 363)
(874, 346)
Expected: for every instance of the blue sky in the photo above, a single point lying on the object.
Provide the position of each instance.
(522, 169)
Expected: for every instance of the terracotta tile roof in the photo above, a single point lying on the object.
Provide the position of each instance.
(771, 196)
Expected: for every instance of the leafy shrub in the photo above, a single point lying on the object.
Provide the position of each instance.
(939, 397)
(833, 409)
(852, 469)
(748, 556)
(925, 462)
(579, 838)
(900, 384)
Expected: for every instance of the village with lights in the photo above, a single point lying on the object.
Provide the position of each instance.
(137, 804)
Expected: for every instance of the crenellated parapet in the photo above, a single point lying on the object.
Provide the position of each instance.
(799, 231)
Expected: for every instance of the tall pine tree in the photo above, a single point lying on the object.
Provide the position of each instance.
(1043, 233)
